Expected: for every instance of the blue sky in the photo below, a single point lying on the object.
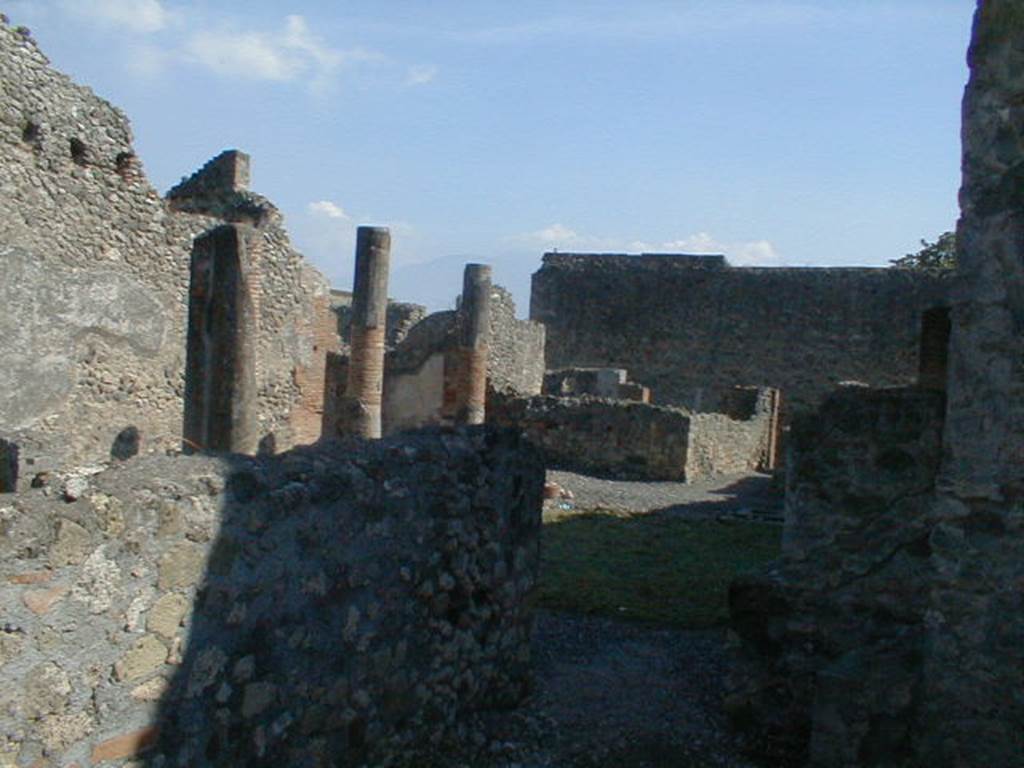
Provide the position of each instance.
(780, 132)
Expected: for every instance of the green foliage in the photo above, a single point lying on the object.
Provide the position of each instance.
(936, 257)
(649, 567)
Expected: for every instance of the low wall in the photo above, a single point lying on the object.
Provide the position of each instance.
(340, 604)
(633, 439)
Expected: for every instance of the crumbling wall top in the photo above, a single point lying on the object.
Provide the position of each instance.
(227, 172)
(671, 260)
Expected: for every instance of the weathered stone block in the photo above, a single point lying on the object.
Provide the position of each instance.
(148, 655)
(166, 615)
(73, 545)
(125, 745)
(182, 566)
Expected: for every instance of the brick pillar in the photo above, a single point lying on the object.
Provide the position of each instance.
(474, 344)
(360, 413)
(220, 373)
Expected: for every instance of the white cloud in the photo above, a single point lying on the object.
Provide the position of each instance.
(146, 60)
(328, 209)
(420, 74)
(560, 236)
(138, 16)
(243, 54)
(285, 55)
(755, 253)
(555, 233)
(739, 253)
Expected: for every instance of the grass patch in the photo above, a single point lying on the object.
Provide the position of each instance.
(649, 567)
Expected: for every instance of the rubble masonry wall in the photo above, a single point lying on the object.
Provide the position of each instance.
(338, 603)
(690, 327)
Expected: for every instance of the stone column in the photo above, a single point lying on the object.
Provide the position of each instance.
(474, 344)
(360, 414)
(220, 368)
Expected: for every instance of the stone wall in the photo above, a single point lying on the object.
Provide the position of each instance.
(831, 640)
(690, 327)
(401, 316)
(516, 363)
(338, 604)
(889, 633)
(636, 440)
(96, 277)
(974, 712)
(597, 382)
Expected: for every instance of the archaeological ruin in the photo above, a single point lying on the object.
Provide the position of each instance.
(690, 328)
(248, 519)
(890, 631)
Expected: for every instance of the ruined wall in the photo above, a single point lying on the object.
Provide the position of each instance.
(636, 440)
(690, 327)
(295, 327)
(889, 632)
(831, 651)
(740, 440)
(598, 382)
(516, 363)
(401, 317)
(333, 605)
(96, 279)
(974, 712)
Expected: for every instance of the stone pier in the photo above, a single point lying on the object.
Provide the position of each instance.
(361, 412)
(220, 371)
(474, 344)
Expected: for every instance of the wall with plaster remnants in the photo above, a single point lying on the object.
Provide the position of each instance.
(96, 278)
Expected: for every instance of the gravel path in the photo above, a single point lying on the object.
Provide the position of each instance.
(753, 496)
(609, 693)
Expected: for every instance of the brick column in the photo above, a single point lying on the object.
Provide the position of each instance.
(474, 344)
(360, 413)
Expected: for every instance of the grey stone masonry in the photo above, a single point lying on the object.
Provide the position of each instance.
(890, 631)
(351, 604)
(95, 281)
(636, 440)
(830, 641)
(973, 713)
(689, 327)
(227, 172)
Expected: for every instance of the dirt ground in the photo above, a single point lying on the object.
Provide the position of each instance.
(611, 693)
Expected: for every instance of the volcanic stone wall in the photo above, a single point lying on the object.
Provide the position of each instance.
(831, 658)
(692, 327)
(96, 276)
(890, 631)
(336, 605)
(516, 363)
(974, 712)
